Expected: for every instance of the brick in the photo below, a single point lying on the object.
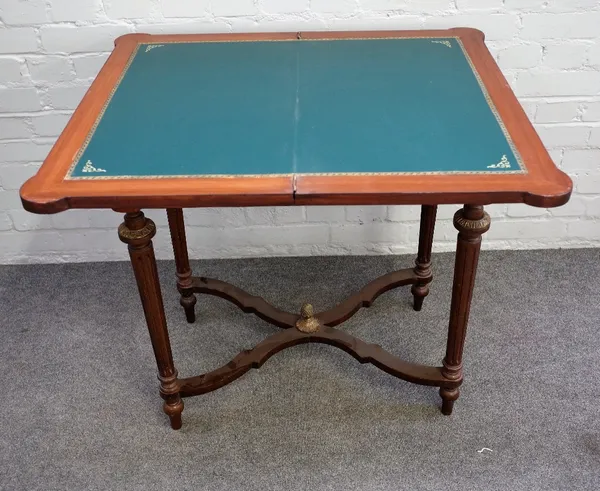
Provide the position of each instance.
(595, 137)
(216, 217)
(24, 221)
(284, 6)
(234, 9)
(5, 221)
(495, 26)
(24, 151)
(369, 233)
(209, 25)
(403, 213)
(89, 66)
(71, 219)
(17, 100)
(289, 214)
(571, 5)
(21, 247)
(365, 214)
(14, 128)
(517, 210)
(520, 56)
(18, 40)
(564, 136)
(273, 236)
(581, 159)
(75, 241)
(81, 10)
(334, 6)
(13, 176)
(429, 6)
(275, 215)
(379, 5)
(49, 124)
(576, 207)
(10, 71)
(128, 9)
(526, 229)
(50, 69)
(185, 8)
(565, 56)
(105, 219)
(584, 229)
(564, 26)
(354, 22)
(557, 112)
(479, 4)
(540, 84)
(591, 112)
(446, 212)
(525, 5)
(10, 200)
(327, 214)
(260, 215)
(496, 210)
(66, 97)
(71, 39)
(594, 54)
(19, 12)
(593, 207)
(444, 231)
(587, 183)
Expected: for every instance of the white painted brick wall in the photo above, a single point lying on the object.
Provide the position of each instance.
(50, 50)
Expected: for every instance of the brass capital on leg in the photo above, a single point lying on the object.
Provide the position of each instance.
(137, 232)
(471, 222)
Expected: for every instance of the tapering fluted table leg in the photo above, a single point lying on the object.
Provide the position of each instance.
(471, 222)
(423, 263)
(137, 232)
(182, 262)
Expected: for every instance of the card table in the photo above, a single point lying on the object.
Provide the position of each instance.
(299, 119)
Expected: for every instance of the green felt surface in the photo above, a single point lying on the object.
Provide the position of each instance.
(285, 107)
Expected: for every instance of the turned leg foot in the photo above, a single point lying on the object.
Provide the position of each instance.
(423, 263)
(182, 263)
(173, 405)
(188, 303)
(419, 294)
(448, 398)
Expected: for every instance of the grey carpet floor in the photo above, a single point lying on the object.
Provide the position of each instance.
(80, 406)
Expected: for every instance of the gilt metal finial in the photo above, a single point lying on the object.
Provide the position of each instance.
(307, 322)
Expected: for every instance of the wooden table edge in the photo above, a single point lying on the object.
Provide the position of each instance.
(39, 197)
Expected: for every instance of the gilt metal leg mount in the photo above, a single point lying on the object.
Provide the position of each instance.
(307, 327)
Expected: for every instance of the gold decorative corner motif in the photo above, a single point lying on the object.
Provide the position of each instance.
(503, 164)
(308, 322)
(89, 167)
(446, 43)
(150, 47)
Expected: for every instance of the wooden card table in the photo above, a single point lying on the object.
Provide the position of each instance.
(329, 118)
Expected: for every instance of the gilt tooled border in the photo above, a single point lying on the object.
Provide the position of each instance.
(522, 168)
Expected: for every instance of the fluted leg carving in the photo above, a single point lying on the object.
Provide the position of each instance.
(471, 222)
(423, 263)
(182, 262)
(137, 232)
